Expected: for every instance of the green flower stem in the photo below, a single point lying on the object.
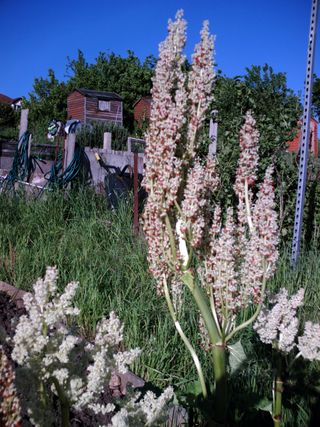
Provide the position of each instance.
(218, 351)
(64, 404)
(277, 393)
(202, 303)
(42, 394)
(185, 340)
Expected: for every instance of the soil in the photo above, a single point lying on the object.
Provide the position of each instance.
(10, 311)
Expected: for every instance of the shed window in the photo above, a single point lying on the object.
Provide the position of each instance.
(104, 105)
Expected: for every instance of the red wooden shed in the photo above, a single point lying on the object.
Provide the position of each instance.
(294, 145)
(142, 109)
(92, 105)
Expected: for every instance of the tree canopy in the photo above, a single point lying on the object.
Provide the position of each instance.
(274, 106)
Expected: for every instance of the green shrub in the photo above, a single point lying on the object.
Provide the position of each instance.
(91, 135)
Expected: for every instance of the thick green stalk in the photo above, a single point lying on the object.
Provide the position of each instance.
(202, 303)
(221, 392)
(277, 393)
(218, 351)
(185, 340)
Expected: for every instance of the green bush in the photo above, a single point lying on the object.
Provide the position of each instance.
(91, 135)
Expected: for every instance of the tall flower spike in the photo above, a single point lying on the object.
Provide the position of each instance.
(167, 115)
(221, 272)
(200, 84)
(163, 169)
(248, 161)
(264, 219)
(260, 249)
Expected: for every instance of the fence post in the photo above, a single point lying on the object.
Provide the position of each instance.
(71, 143)
(129, 145)
(107, 139)
(23, 121)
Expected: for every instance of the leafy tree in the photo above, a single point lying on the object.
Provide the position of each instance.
(274, 106)
(47, 101)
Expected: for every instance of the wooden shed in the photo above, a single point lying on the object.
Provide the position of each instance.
(142, 109)
(92, 105)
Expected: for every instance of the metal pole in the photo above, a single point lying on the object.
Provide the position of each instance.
(135, 194)
(304, 143)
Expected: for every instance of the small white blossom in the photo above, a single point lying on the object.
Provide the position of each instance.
(309, 342)
(125, 358)
(279, 325)
(148, 411)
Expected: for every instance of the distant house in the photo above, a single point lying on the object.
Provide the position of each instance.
(14, 103)
(294, 145)
(142, 110)
(92, 105)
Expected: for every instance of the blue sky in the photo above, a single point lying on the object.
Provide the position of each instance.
(38, 34)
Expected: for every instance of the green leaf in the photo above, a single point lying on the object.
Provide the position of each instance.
(237, 356)
(264, 405)
(193, 389)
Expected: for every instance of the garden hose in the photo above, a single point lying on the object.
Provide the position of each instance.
(23, 164)
(79, 167)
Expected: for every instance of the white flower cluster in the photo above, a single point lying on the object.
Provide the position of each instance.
(309, 342)
(279, 326)
(73, 369)
(148, 411)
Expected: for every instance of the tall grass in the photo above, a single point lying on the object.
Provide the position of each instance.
(97, 247)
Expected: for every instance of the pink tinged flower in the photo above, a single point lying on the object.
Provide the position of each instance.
(169, 103)
(221, 272)
(202, 180)
(248, 160)
(264, 219)
(279, 325)
(309, 342)
(259, 249)
(200, 84)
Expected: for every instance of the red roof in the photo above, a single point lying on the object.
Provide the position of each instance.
(4, 99)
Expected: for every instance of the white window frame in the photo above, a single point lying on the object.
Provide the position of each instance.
(104, 105)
